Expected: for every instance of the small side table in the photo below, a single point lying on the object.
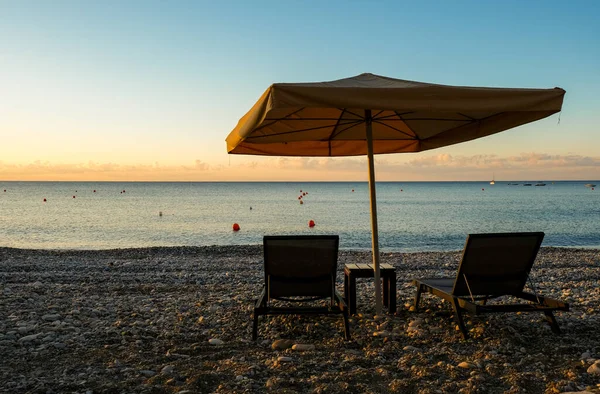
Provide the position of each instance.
(387, 272)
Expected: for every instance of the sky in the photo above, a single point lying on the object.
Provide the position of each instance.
(149, 90)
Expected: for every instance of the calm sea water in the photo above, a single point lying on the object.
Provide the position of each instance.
(414, 216)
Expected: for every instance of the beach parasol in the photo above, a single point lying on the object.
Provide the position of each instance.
(370, 114)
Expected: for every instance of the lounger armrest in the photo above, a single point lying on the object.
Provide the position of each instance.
(260, 302)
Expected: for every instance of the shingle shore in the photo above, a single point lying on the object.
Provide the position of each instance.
(178, 320)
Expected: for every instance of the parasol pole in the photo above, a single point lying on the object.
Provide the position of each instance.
(375, 233)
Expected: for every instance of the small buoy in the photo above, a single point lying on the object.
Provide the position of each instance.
(304, 194)
(250, 208)
(44, 200)
(352, 190)
(300, 198)
(301, 202)
(123, 191)
(236, 227)
(73, 196)
(311, 223)
(401, 190)
(159, 213)
(300, 190)
(94, 190)
(482, 189)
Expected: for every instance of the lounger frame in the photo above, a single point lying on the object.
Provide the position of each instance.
(300, 269)
(492, 286)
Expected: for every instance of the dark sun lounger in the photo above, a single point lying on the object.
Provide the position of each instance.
(492, 266)
(300, 269)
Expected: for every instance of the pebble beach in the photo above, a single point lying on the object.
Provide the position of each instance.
(178, 320)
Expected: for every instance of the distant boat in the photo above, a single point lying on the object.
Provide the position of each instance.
(590, 185)
(492, 182)
(527, 184)
(540, 184)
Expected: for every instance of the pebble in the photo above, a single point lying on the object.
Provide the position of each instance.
(466, 365)
(282, 344)
(284, 359)
(216, 342)
(382, 334)
(594, 369)
(147, 372)
(167, 370)
(51, 317)
(30, 338)
(303, 347)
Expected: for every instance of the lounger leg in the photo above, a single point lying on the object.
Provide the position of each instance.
(552, 321)
(459, 319)
(255, 326)
(418, 297)
(346, 325)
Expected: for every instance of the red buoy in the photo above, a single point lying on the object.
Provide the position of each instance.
(236, 227)
(44, 200)
(401, 190)
(123, 191)
(73, 196)
(301, 202)
(352, 190)
(94, 190)
(311, 223)
(482, 189)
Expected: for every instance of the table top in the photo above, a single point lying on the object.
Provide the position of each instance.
(362, 267)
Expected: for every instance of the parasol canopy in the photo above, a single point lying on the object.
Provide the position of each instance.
(370, 114)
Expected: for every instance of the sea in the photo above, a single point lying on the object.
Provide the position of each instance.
(412, 216)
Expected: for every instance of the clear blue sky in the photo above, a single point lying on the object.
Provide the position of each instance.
(92, 90)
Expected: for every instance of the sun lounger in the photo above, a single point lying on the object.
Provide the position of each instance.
(492, 266)
(300, 269)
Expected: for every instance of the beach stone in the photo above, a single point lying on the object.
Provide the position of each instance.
(411, 349)
(59, 345)
(167, 370)
(585, 356)
(51, 317)
(466, 365)
(594, 369)
(382, 334)
(282, 344)
(303, 347)
(284, 359)
(30, 338)
(215, 342)
(147, 372)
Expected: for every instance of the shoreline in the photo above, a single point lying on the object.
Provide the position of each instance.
(234, 247)
(140, 320)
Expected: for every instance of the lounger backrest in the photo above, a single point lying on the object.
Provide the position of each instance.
(300, 265)
(496, 264)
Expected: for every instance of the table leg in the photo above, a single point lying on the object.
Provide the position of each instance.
(352, 293)
(392, 292)
(386, 290)
(346, 292)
